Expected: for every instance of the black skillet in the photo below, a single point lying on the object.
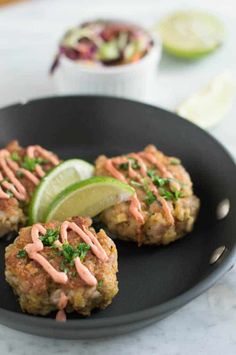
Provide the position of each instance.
(153, 282)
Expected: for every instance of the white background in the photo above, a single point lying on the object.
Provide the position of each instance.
(29, 32)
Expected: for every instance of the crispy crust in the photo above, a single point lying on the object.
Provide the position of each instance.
(11, 216)
(39, 294)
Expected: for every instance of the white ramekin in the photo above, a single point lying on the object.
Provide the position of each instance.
(130, 80)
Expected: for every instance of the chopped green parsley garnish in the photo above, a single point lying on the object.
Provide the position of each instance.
(30, 163)
(21, 254)
(156, 179)
(71, 253)
(49, 237)
(150, 197)
(168, 195)
(160, 184)
(82, 250)
(151, 173)
(175, 161)
(42, 161)
(9, 193)
(15, 156)
(160, 181)
(178, 194)
(63, 267)
(100, 283)
(124, 166)
(20, 174)
(68, 252)
(134, 164)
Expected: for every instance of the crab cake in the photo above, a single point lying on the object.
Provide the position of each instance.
(62, 266)
(20, 172)
(164, 207)
(11, 216)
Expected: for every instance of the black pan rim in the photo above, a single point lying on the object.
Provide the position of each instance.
(107, 97)
(168, 306)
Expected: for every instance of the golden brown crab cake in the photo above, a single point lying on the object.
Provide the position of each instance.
(15, 160)
(39, 293)
(11, 216)
(166, 207)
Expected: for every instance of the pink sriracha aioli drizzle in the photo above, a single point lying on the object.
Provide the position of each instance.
(161, 167)
(143, 168)
(31, 150)
(95, 245)
(10, 168)
(89, 239)
(166, 209)
(165, 173)
(3, 195)
(61, 314)
(14, 185)
(34, 248)
(113, 171)
(15, 167)
(135, 206)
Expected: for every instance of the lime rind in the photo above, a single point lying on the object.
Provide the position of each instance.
(96, 186)
(197, 54)
(43, 195)
(191, 34)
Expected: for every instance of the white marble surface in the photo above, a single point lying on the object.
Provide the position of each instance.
(28, 33)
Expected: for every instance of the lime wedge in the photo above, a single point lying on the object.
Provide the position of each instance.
(63, 175)
(208, 106)
(88, 198)
(191, 34)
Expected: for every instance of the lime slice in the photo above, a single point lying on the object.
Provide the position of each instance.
(208, 106)
(191, 34)
(63, 175)
(88, 198)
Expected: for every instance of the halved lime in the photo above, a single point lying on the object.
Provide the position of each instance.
(191, 34)
(63, 175)
(88, 198)
(210, 104)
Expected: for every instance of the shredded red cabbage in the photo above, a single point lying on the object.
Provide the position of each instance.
(103, 43)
